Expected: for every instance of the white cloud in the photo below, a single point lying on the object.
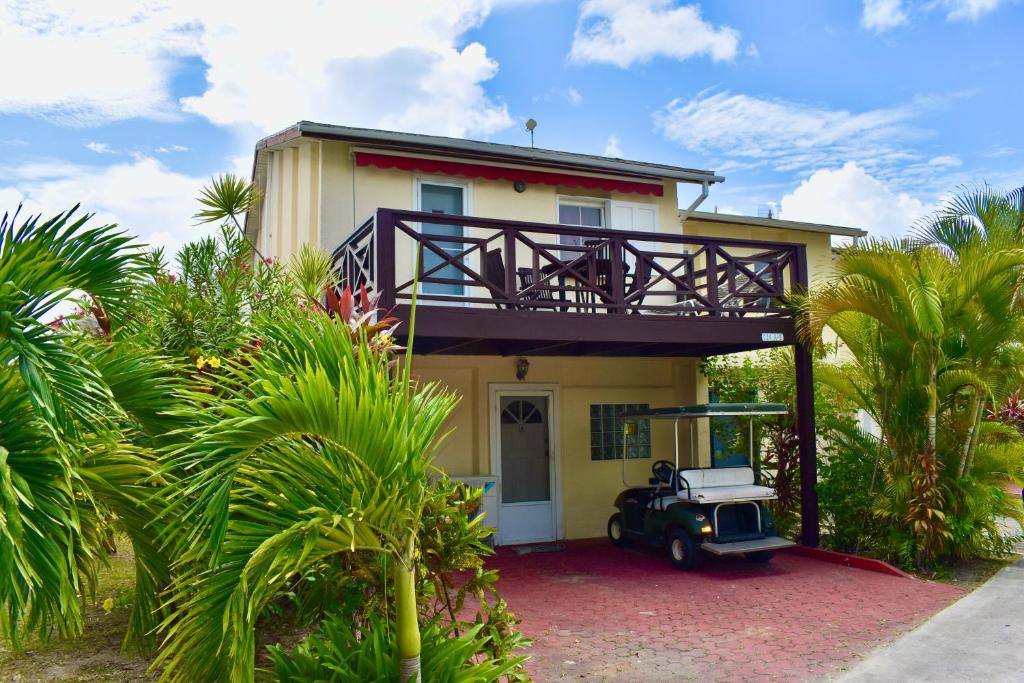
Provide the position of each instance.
(91, 62)
(99, 147)
(573, 95)
(882, 15)
(968, 10)
(397, 64)
(851, 196)
(997, 151)
(789, 136)
(612, 148)
(627, 32)
(142, 196)
(945, 161)
(165, 149)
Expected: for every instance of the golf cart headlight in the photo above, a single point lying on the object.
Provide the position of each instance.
(706, 529)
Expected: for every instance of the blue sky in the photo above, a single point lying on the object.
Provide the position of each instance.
(855, 113)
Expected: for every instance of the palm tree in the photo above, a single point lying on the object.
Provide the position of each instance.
(897, 305)
(312, 448)
(74, 454)
(992, 327)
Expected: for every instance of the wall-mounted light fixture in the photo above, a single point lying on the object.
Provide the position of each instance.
(522, 367)
(519, 186)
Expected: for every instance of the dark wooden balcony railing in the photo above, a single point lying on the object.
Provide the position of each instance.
(514, 265)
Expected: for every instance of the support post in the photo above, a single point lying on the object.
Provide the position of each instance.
(804, 368)
(385, 259)
(808, 446)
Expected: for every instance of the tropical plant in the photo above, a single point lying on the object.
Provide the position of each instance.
(971, 225)
(930, 331)
(312, 448)
(208, 306)
(337, 654)
(75, 421)
(248, 427)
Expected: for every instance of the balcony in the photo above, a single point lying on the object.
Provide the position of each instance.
(490, 286)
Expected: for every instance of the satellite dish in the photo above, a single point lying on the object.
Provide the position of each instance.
(530, 125)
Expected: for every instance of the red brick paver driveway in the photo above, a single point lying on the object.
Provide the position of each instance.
(596, 612)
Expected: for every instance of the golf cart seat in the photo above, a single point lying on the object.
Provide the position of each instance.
(722, 484)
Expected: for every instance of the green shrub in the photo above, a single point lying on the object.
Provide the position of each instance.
(847, 485)
(338, 653)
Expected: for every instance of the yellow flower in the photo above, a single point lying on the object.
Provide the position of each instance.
(108, 605)
(200, 362)
(214, 362)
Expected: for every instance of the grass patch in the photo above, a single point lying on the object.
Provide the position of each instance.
(96, 656)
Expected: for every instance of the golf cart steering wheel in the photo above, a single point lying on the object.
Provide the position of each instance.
(663, 471)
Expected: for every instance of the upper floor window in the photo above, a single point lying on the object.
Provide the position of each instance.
(589, 214)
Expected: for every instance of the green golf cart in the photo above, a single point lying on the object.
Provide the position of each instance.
(720, 510)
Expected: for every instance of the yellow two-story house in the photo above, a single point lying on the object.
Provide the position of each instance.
(554, 291)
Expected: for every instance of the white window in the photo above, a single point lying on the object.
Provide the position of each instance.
(583, 212)
(574, 213)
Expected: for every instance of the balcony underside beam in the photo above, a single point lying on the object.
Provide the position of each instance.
(478, 331)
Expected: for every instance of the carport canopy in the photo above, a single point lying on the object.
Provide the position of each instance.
(710, 410)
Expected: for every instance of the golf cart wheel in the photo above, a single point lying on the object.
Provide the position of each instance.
(761, 556)
(682, 549)
(616, 531)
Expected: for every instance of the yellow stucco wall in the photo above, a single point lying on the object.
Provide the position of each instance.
(587, 487)
(819, 245)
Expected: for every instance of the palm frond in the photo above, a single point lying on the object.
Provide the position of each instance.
(226, 197)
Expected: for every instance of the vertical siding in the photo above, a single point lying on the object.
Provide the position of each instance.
(292, 206)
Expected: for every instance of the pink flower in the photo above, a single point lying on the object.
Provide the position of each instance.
(269, 261)
(173, 278)
(57, 322)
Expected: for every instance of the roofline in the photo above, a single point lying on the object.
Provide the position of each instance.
(774, 223)
(491, 151)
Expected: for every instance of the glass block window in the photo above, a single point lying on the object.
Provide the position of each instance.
(606, 442)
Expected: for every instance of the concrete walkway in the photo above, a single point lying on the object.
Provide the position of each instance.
(979, 638)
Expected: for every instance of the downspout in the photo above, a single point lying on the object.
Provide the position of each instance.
(696, 202)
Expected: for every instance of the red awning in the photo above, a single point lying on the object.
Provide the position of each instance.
(504, 173)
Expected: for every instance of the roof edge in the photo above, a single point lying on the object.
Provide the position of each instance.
(734, 219)
(487, 150)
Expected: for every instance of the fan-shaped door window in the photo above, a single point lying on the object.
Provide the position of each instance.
(524, 449)
(521, 412)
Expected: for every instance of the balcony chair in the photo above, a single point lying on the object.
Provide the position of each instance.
(745, 285)
(494, 274)
(526, 280)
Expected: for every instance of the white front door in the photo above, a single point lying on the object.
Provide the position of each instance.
(525, 464)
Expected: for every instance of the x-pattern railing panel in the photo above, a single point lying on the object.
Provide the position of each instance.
(355, 259)
(533, 266)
